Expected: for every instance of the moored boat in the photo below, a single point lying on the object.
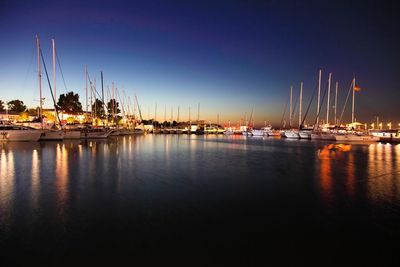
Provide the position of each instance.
(52, 135)
(18, 133)
(291, 134)
(356, 138)
(95, 133)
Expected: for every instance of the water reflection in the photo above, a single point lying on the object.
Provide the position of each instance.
(383, 180)
(61, 177)
(7, 180)
(35, 176)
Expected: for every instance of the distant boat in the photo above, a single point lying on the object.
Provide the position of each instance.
(356, 138)
(291, 134)
(257, 132)
(95, 133)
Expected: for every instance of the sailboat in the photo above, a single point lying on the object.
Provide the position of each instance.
(352, 136)
(47, 134)
(10, 132)
(291, 133)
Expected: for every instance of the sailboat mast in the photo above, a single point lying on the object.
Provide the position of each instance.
(352, 108)
(301, 100)
(113, 103)
(328, 100)
(319, 95)
(177, 119)
(54, 77)
(39, 82)
(336, 94)
(290, 108)
(86, 88)
(165, 112)
(155, 112)
(102, 87)
(198, 113)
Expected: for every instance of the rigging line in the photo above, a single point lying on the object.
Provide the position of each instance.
(320, 107)
(309, 105)
(94, 89)
(62, 74)
(294, 112)
(51, 90)
(345, 103)
(284, 111)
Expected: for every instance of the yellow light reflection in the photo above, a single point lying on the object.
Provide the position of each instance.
(35, 174)
(383, 172)
(61, 177)
(6, 184)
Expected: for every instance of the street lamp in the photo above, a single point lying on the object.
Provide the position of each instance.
(380, 126)
(373, 125)
(389, 125)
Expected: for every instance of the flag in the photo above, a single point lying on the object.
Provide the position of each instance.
(357, 88)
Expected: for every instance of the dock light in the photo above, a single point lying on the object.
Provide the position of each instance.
(389, 125)
(372, 125)
(380, 126)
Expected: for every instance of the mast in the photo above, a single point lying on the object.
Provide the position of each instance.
(177, 119)
(54, 78)
(301, 100)
(319, 95)
(336, 94)
(165, 112)
(102, 87)
(328, 100)
(352, 108)
(112, 103)
(198, 113)
(155, 112)
(39, 82)
(86, 85)
(290, 108)
(189, 117)
(95, 98)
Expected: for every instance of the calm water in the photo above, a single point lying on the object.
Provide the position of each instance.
(198, 201)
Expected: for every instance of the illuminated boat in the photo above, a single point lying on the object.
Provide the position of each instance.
(291, 134)
(257, 132)
(95, 133)
(18, 133)
(356, 138)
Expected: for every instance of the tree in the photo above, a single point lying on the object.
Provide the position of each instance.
(33, 111)
(98, 109)
(1, 106)
(69, 103)
(16, 106)
(112, 108)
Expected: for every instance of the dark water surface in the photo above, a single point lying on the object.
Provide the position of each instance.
(198, 200)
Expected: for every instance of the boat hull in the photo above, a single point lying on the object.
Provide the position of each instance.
(72, 135)
(52, 135)
(19, 135)
(291, 135)
(356, 138)
(305, 135)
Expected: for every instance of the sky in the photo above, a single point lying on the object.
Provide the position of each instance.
(232, 57)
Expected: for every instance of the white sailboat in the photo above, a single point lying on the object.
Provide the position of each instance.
(11, 133)
(351, 136)
(291, 133)
(48, 134)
